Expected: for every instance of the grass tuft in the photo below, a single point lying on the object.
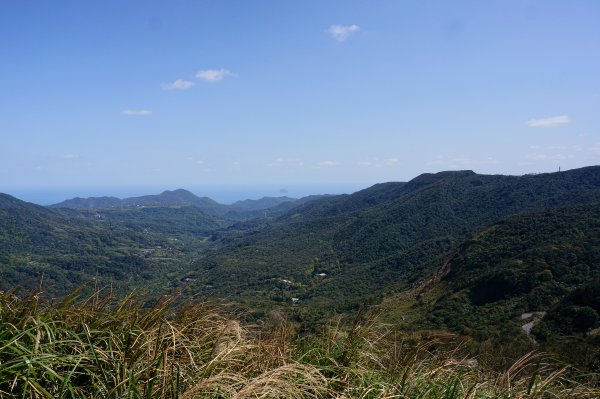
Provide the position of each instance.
(102, 347)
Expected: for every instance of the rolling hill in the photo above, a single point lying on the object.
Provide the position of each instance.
(58, 250)
(536, 273)
(239, 210)
(339, 252)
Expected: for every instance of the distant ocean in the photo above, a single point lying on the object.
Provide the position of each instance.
(222, 194)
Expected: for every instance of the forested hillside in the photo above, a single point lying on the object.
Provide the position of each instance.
(60, 250)
(534, 273)
(343, 251)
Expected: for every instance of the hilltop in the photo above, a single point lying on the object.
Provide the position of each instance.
(346, 250)
(180, 197)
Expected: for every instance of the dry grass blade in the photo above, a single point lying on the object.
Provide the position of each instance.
(102, 348)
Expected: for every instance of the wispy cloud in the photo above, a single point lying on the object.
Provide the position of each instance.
(553, 152)
(575, 147)
(465, 161)
(379, 162)
(275, 162)
(547, 122)
(326, 164)
(341, 32)
(285, 163)
(136, 112)
(462, 161)
(195, 160)
(549, 157)
(179, 84)
(214, 75)
(69, 156)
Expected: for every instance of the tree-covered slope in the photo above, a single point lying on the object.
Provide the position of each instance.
(498, 284)
(157, 219)
(125, 249)
(342, 251)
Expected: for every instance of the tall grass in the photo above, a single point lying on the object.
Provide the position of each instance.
(100, 347)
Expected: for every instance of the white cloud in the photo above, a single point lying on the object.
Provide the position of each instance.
(136, 112)
(462, 162)
(214, 75)
(390, 161)
(466, 161)
(596, 149)
(549, 157)
(379, 162)
(196, 160)
(275, 162)
(179, 84)
(70, 156)
(435, 162)
(575, 148)
(341, 32)
(322, 164)
(285, 163)
(547, 122)
(554, 152)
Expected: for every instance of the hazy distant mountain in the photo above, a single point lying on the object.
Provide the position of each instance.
(90, 203)
(178, 197)
(259, 204)
(238, 211)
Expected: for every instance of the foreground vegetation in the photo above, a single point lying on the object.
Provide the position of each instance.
(102, 347)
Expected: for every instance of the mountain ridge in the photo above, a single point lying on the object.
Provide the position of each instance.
(178, 197)
(377, 248)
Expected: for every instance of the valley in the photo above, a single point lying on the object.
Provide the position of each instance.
(452, 251)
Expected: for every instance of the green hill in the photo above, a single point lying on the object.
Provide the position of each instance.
(339, 252)
(177, 197)
(240, 210)
(125, 249)
(535, 272)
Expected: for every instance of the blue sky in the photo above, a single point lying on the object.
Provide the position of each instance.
(199, 93)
